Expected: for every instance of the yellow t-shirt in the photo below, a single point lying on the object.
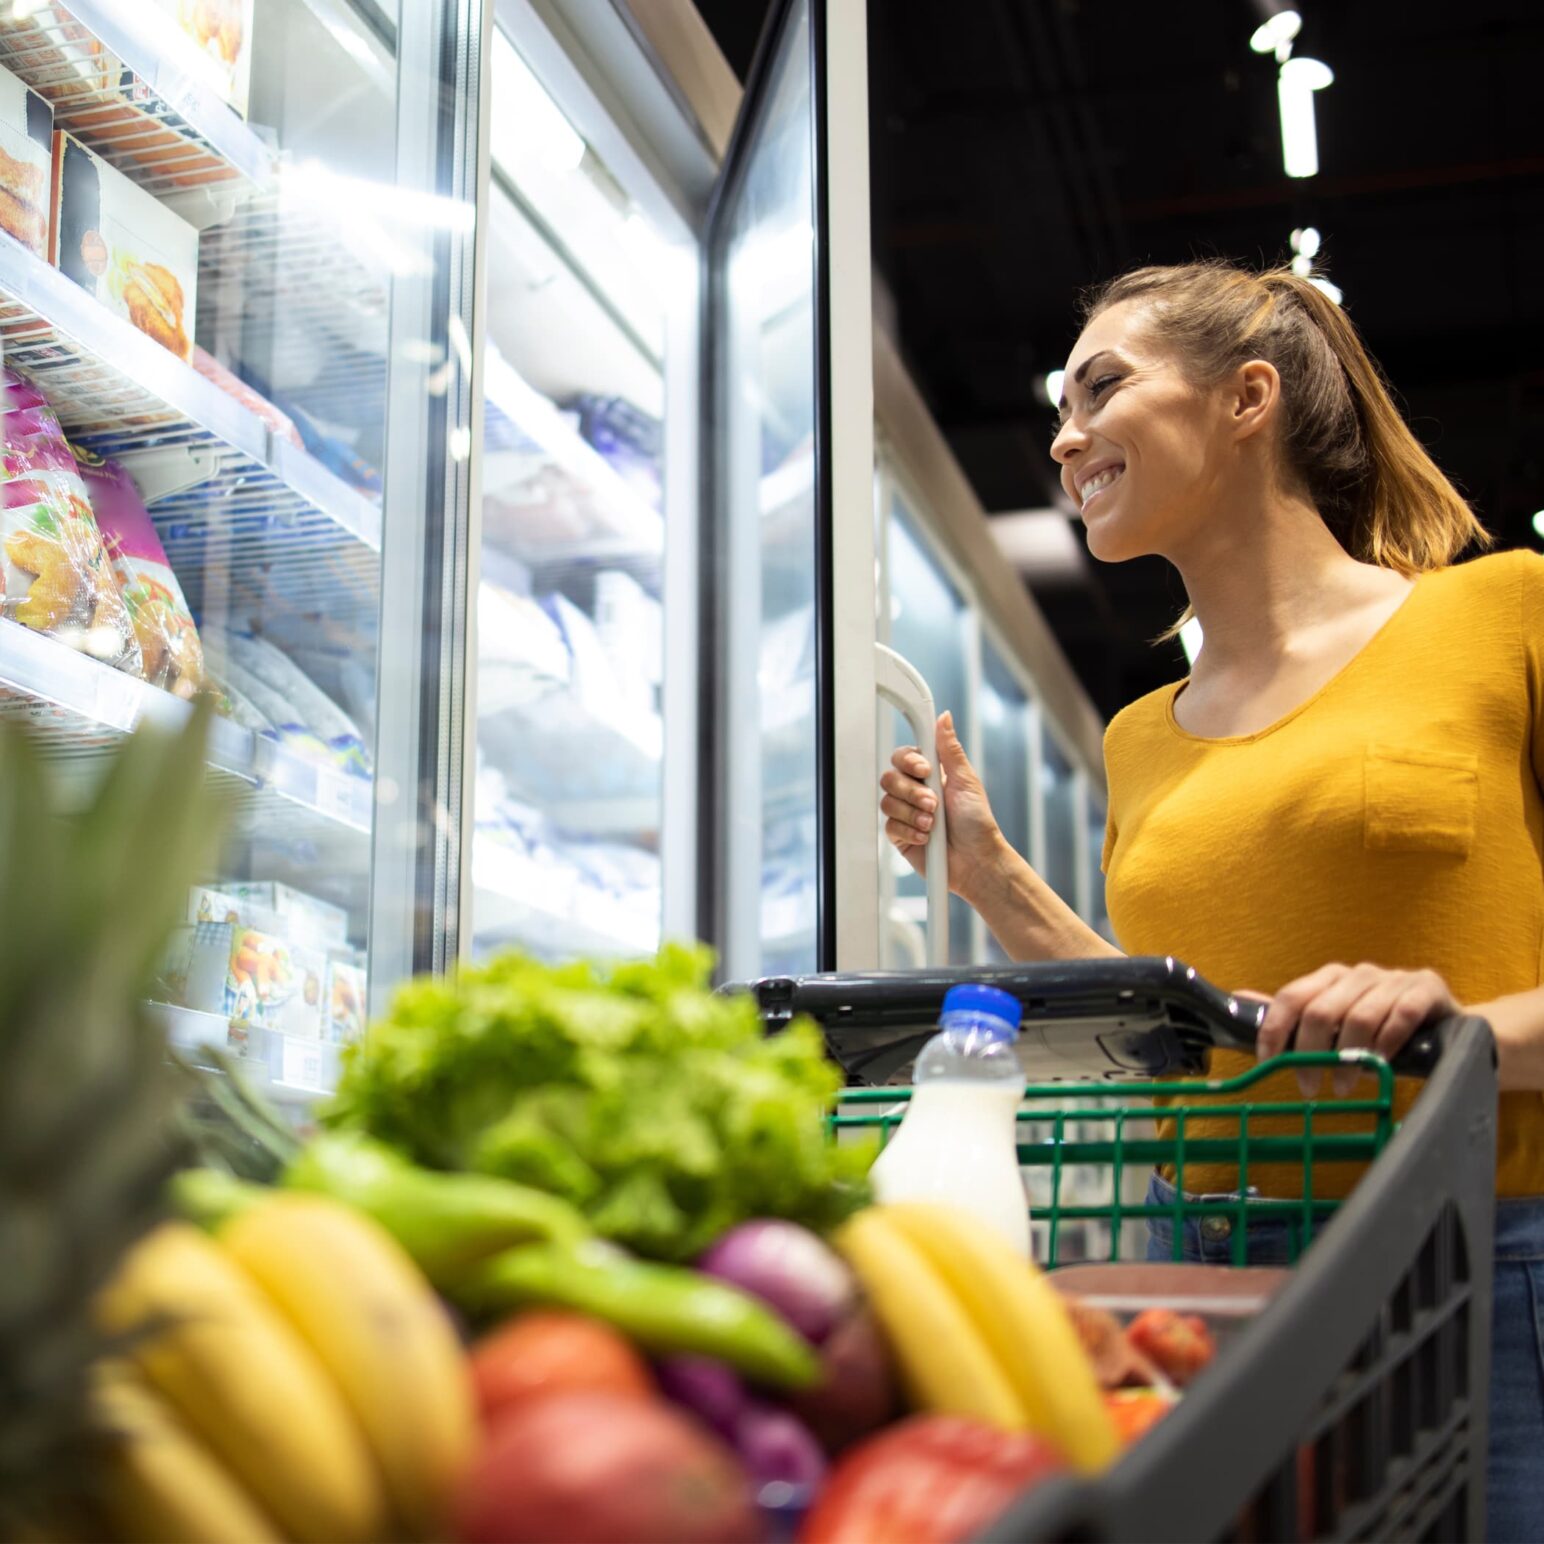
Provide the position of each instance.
(1395, 817)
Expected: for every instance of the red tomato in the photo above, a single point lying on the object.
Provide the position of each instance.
(1135, 1411)
(1181, 1344)
(543, 1353)
(933, 1479)
(589, 1468)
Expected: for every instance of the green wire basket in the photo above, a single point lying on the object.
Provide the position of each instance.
(1053, 1142)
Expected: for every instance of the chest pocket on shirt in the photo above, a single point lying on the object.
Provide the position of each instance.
(1420, 801)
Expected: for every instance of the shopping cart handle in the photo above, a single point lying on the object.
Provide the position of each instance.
(1416, 1058)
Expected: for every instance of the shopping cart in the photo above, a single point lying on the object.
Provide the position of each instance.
(1353, 1404)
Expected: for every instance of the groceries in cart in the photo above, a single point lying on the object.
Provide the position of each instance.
(683, 1313)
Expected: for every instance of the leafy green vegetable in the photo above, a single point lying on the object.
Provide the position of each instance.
(656, 1107)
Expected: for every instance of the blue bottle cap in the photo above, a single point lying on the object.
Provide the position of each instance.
(984, 999)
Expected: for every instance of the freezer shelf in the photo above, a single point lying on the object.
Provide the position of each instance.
(157, 123)
(288, 1069)
(251, 506)
(602, 516)
(79, 707)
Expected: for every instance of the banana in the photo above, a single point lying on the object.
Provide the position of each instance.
(365, 1309)
(1023, 1320)
(160, 1486)
(208, 1340)
(945, 1363)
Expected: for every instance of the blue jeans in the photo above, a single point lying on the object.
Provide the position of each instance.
(1515, 1481)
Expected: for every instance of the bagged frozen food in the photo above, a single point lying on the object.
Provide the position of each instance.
(57, 578)
(158, 610)
(254, 402)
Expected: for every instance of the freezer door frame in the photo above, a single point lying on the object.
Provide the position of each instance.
(430, 508)
(847, 909)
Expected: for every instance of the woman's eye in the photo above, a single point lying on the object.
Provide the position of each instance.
(1098, 387)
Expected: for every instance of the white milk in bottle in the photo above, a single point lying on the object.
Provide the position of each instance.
(956, 1145)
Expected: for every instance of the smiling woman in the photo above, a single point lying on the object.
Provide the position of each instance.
(1351, 772)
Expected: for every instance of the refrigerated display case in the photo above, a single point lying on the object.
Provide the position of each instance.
(1007, 741)
(257, 246)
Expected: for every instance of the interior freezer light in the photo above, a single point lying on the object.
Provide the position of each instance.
(1190, 639)
(1273, 33)
(1295, 85)
(528, 128)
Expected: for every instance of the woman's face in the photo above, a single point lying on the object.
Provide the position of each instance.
(1142, 452)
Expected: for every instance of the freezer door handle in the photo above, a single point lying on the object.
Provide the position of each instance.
(900, 684)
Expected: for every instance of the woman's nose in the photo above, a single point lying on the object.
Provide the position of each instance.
(1067, 443)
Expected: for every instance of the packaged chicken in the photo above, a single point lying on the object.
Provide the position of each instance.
(124, 245)
(26, 156)
(221, 31)
(57, 578)
(158, 610)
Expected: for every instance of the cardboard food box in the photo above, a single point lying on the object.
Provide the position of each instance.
(219, 38)
(124, 246)
(246, 976)
(26, 162)
(300, 916)
(345, 1019)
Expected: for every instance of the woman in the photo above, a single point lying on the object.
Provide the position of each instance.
(1350, 773)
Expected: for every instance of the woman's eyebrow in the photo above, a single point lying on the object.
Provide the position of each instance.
(1079, 376)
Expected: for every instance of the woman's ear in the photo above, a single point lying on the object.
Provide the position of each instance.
(1253, 397)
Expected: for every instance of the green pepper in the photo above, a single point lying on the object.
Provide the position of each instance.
(446, 1222)
(664, 1308)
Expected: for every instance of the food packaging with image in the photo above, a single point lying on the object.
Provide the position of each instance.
(124, 246)
(345, 1020)
(57, 577)
(26, 159)
(158, 610)
(220, 32)
(246, 976)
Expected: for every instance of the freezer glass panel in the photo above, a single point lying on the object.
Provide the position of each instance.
(1059, 800)
(195, 327)
(570, 623)
(929, 627)
(766, 448)
(1005, 731)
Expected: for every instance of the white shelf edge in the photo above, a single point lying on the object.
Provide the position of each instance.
(65, 306)
(278, 1065)
(634, 520)
(42, 667)
(197, 104)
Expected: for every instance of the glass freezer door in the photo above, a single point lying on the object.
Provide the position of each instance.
(232, 416)
(789, 674)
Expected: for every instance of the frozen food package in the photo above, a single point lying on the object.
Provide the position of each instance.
(163, 624)
(26, 159)
(294, 913)
(57, 577)
(253, 401)
(268, 675)
(233, 704)
(124, 246)
(345, 1018)
(220, 31)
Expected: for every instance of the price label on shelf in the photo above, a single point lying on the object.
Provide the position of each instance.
(302, 1063)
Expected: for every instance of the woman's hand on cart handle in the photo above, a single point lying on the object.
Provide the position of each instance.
(1351, 1008)
(909, 808)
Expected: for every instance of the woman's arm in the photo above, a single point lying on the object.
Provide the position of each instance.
(1518, 1023)
(1026, 916)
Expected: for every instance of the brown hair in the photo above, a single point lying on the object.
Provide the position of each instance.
(1343, 438)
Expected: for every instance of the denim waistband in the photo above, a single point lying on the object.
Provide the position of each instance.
(1520, 1229)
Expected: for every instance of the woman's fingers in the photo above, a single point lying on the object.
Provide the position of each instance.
(903, 813)
(899, 786)
(1362, 1023)
(910, 762)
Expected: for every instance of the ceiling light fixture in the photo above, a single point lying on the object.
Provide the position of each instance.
(1052, 384)
(1538, 523)
(1280, 23)
(1295, 86)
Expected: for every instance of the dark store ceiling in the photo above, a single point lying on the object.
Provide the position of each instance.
(1022, 149)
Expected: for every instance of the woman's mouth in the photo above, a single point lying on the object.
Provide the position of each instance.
(1099, 483)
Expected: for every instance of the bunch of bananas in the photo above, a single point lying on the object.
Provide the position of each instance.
(976, 1329)
(292, 1376)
